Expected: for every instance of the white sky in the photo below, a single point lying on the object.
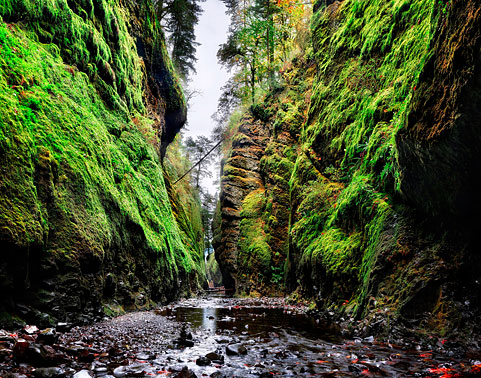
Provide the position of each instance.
(211, 31)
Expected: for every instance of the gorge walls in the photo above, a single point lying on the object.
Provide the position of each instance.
(89, 102)
(363, 194)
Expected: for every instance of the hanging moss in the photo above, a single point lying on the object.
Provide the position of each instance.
(82, 184)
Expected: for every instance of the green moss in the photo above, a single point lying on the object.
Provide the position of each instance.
(369, 56)
(335, 251)
(81, 178)
(253, 204)
(10, 321)
(255, 254)
(374, 60)
(112, 310)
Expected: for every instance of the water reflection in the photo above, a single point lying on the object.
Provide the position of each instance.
(254, 321)
(209, 319)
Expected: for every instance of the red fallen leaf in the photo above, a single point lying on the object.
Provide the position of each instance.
(426, 355)
(355, 361)
(476, 368)
(365, 372)
(440, 370)
(321, 362)
(163, 372)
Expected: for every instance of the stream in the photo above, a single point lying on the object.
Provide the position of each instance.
(219, 337)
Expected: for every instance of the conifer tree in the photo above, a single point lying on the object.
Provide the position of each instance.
(180, 17)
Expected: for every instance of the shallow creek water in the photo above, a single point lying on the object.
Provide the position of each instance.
(274, 339)
(282, 341)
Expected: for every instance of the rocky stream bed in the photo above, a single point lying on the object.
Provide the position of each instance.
(220, 337)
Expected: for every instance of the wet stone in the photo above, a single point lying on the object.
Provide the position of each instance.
(203, 361)
(85, 355)
(64, 326)
(120, 372)
(184, 343)
(215, 357)
(20, 348)
(133, 370)
(5, 353)
(49, 372)
(184, 334)
(145, 356)
(47, 336)
(30, 329)
(82, 374)
(235, 350)
(5, 336)
(218, 374)
(185, 373)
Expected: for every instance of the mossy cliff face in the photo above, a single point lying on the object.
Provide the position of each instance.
(240, 175)
(251, 224)
(85, 218)
(383, 183)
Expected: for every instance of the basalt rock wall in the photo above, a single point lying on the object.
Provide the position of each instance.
(376, 180)
(89, 102)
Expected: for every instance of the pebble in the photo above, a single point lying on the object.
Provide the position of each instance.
(213, 356)
(202, 361)
(235, 350)
(20, 348)
(49, 372)
(120, 372)
(30, 329)
(64, 326)
(185, 373)
(82, 374)
(145, 356)
(47, 336)
(184, 342)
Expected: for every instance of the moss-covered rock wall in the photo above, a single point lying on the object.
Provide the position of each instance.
(378, 180)
(88, 103)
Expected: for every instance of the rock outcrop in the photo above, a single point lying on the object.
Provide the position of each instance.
(240, 175)
(372, 168)
(88, 103)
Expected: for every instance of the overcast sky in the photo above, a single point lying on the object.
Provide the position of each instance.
(210, 33)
